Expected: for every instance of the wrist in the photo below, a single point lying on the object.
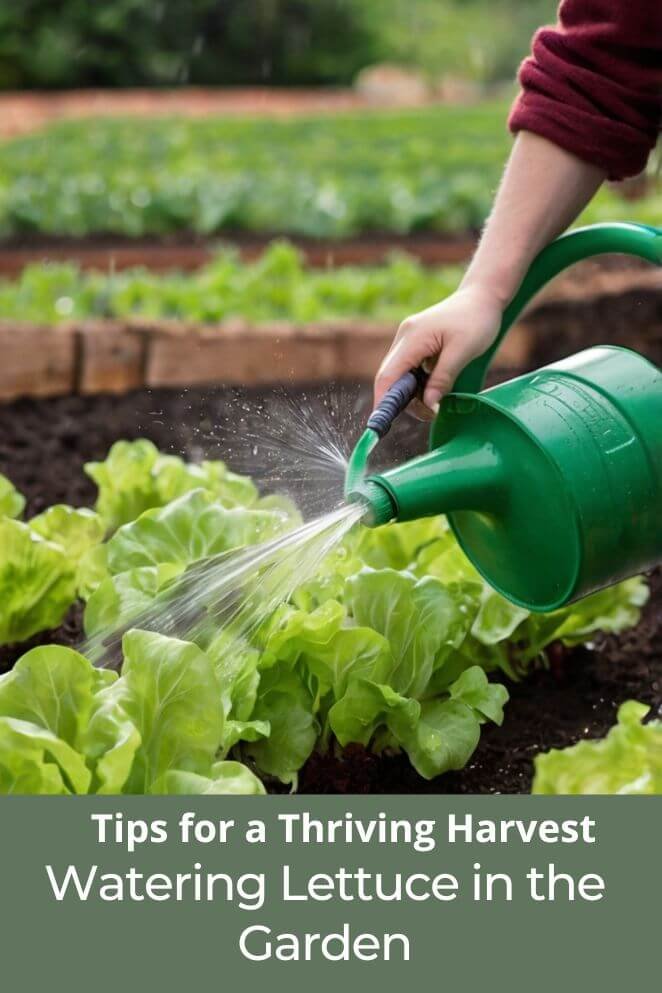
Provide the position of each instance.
(494, 289)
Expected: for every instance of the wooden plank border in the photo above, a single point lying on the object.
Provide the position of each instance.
(114, 356)
(108, 356)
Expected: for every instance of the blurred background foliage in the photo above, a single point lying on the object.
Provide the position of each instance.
(122, 43)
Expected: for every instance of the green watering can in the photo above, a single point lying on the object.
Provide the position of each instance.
(552, 482)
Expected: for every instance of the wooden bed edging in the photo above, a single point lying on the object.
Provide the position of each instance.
(112, 356)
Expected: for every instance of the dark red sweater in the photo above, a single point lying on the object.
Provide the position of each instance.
(593, 83)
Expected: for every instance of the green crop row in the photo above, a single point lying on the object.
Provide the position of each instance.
(432, 169)
(276, 286)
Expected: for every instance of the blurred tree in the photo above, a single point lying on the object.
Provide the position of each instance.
(284, 42)
(167, 42)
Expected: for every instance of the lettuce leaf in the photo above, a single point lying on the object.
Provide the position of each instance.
(33, 760)
(124, 597)
(287, 705)
(136, 477)
(53, 687)
(437, 735)
(170, 693)
(367, 705)
(143, 557)
(227, 778)
(291, 632)
(12, 503)
(420, 618)
(192, 527)
(627, 761)
(444, 737)
(38, 568)
(66, 727)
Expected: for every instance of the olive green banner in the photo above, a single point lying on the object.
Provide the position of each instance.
(327, 893)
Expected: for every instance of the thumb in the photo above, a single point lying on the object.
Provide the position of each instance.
(451, 362)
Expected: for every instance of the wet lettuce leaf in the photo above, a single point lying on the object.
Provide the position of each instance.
(143, 557)
(286, 704)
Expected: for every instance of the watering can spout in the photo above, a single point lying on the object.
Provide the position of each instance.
(464, 474)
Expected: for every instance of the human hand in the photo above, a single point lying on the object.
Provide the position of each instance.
(445, 338)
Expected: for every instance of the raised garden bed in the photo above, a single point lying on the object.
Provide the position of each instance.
(604, 305)
(44, 444)
(21, 112)
(84, 385)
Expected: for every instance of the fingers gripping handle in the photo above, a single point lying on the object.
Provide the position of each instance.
(397, 397)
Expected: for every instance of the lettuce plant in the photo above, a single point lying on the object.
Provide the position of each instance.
(145, 555)
(66, 727)
(136, 477)
(392, 644)
(627, 761)
(38, 565)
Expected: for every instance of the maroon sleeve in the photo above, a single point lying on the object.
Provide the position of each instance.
(593, 83)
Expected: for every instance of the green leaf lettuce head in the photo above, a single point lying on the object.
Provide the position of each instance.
(627, 761)
(66, 727)
(38, 568)
(136, 477)
(501, 635)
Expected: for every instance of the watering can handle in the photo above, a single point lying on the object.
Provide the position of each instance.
(598, 239)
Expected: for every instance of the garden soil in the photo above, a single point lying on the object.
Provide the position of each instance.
(44, 444)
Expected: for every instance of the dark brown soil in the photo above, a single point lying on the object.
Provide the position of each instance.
(189, 251)
(44, 444)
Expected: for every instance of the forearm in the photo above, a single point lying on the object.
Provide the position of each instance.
(543, 190)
